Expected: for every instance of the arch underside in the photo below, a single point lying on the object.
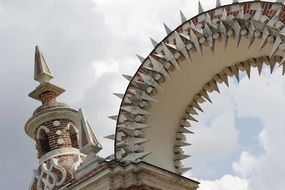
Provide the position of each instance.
(165, 93)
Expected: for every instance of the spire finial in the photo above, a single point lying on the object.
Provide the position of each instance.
(42, 71)
(88, 142)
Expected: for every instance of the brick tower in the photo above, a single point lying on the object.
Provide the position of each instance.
(62, 134)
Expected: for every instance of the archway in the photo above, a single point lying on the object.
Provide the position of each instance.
(177, 76)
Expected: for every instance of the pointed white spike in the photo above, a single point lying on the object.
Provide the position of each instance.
(200, 8)
(237, 29)
(150, 81)
(135, 110)
(170, 57)
(114, 117)
(275, 47)
(140, 58)
(235, 71)
(158, 67)
(184, 130)
(274, 19)
(141, 95)
(88, 143)
(259, 67)
(154, 43)
(128, 77)
(181, 143)
(134, 140)
(167, 29)
(181, 156)
(214, 85)
(111, 137)
(205, 95)
(225, 79)
(197, 106)
(181, 47)
(264, 37)
(247, 69)
(218, 3)
(121, 96)
(42, 72)
(183, 18)
(195, 40)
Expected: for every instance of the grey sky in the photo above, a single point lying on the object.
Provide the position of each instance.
(88, 45)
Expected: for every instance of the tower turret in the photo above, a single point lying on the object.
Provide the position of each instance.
(55, 128)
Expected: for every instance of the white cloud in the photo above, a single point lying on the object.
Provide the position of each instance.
(227, 182)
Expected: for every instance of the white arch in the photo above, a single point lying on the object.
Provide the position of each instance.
(175, 78)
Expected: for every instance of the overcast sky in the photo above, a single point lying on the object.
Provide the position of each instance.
(88, 44)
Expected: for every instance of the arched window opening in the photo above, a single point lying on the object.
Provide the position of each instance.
(43, 145)
(73, 133)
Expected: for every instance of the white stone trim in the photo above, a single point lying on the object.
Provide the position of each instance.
(58, 152)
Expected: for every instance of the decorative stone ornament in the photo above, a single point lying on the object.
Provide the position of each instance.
(56, 123)
(187, 64)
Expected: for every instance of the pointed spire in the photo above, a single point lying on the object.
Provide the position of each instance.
(128, 77)
(88, 142)
(200, 8)
(42, 71)
(140, 58)
(121, 96)
(183, 18)
(154, 43)
(167, 29)
(43, 75)
(218, 3)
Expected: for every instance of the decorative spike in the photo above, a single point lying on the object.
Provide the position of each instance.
(214, 85)
(192, 118)
(184, 130)
(134, 157)
(128, 77)
(154, 43)
(141, 95)
(135, 110)
(272, 64)
(114, 117)
(200, 8)
(158, 67)
(218, 3)
(170, 57)
(134, 140)
(121, 96)
(259, 67)
(180, 136)
(197, 106)
(140, 58)
(274, 19)
(181, 143)
(111, 137)
(264, 37)
(235, 71)
(247, 69)
(205, 95)
(167, 29)
(182, 170)
(181, 156)
(88, 143)
(195, 41)
(225, 79)
(191, 110)
(42, 71)
(183, 18)
(150, 81)
(237, 29)
(275, 47)
(185, 123)
(181, 47)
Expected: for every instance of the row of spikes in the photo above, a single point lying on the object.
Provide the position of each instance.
(197, 37)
